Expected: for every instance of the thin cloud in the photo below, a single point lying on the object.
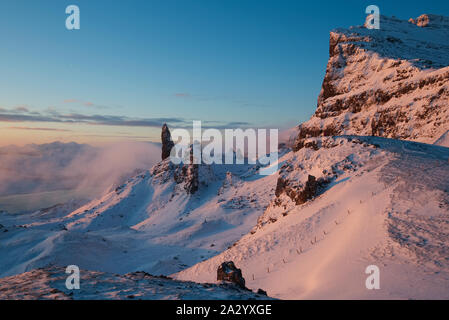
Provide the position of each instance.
(40, 129)
(71, 101)
(52, 116)
(88, 104)
(182, 95)
(21, 109)
(24, 115)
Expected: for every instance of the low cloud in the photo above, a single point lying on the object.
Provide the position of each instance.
(78, 169)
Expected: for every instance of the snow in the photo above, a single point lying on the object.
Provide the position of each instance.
(147, 224)
(391, 82)
(392, 211)
(380, 201)
(49, 284)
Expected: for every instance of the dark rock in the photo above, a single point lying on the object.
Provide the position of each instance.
(298, 194)
(280, 186)
(188, 174)
(167, 143)
(227, 271)
(262, 292)
(310, 189)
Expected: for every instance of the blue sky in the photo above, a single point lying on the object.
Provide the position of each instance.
(246, 61)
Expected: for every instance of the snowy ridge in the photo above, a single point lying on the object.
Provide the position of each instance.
(388, 207)
(363, 185)
(391, 82)
(150, 223)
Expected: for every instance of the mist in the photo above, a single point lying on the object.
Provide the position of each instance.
(37, 176)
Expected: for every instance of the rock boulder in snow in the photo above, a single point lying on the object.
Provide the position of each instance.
(227, 271)
(299, 194)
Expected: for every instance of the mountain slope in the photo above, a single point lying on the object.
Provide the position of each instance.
(49, 284)
(150, 223)
(388, 205)
(356, 190)
(391, 82)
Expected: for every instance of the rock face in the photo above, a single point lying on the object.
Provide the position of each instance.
(227, 271)
(167, 143)
(299, 194)
(189, 175)
(392, 82)
(430, 21)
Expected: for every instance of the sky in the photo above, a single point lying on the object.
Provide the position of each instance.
(136, 64)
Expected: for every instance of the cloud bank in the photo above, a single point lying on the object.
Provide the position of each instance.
(90, 171)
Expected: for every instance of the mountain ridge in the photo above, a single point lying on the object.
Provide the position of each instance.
(363, 185)
(375, 84)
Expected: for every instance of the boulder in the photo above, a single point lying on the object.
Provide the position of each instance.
(227, 271)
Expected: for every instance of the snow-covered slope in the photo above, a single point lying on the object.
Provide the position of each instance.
(49, 284)
(150, 223)
(386, 203)
(341, 200)
(391, 82)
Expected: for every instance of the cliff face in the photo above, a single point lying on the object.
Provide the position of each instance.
(392, 82)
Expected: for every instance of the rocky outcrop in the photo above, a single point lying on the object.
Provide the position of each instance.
(188, 174)
(310, 172)
(430, 21)
(227, 271)
(167, 143)
(298, 195)
(393, 83)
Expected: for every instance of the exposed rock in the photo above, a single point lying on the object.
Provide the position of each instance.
(192, 179)
(298, 194)
(167, 143)
(391, 84)
(430, 20)
(262, 292)
(227, 271)
(3, 229)
(188, 174)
